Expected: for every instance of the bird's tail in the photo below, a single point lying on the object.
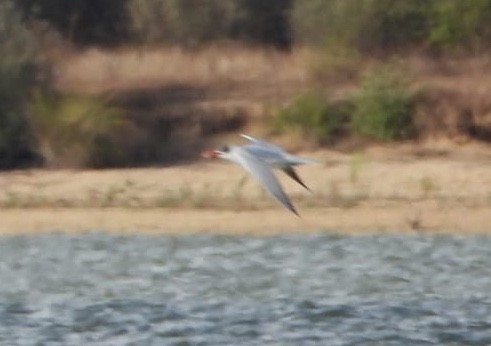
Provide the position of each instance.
(297, 160)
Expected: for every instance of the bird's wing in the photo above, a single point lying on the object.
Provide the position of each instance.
(260, 142)
(264, 175)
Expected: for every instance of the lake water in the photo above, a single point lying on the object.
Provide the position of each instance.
(301, 289)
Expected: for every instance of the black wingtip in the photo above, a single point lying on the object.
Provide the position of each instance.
(308, 189)
(292, 174)
(305, 186)
(293, 210)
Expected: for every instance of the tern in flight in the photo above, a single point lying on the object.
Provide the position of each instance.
(259, 157)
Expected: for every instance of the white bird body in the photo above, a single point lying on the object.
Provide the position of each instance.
(258, 158)
(276, 157)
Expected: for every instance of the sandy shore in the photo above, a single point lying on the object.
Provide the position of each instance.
(365, 219)
(378, 191)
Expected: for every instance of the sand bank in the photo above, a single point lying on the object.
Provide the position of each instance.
(355, 193)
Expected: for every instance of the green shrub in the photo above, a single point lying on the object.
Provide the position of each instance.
(456, 23)
(310, 114)
(18, 50)
(382, 107)
(358, 24)
(71, 130)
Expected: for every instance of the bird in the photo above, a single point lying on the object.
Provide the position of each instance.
(259, 157)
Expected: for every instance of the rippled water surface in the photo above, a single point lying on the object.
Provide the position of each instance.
(305, 289)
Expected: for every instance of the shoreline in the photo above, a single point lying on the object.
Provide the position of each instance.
(367, 219)
(372, 192)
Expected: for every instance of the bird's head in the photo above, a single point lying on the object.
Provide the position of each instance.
(216, 153)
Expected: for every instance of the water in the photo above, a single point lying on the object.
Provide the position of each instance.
(305, 289)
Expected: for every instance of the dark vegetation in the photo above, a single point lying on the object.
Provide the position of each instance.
(40, 124)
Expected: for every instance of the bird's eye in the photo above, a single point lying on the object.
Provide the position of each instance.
(225, 149)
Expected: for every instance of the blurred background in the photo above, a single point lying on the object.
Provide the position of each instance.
(373, 86)
(87, 83)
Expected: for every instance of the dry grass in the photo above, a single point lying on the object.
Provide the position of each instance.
(253, 69)
(255, 81)
(454, 95)
(97, 70)
(193, 95)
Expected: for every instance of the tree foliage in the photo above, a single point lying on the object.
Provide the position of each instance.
(190, 22)
(378, 25)
(461, 23)
(17, 76)
(367, 25)
(81, 21)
